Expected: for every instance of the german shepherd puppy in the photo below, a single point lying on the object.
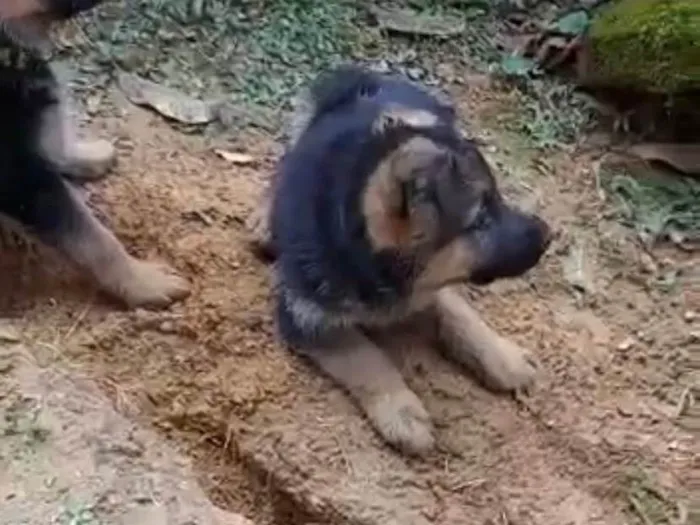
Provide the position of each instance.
(381, 208)
(42, 158)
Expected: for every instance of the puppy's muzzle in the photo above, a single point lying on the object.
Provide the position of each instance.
(511, 246)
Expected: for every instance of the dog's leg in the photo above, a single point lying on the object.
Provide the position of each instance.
(78, 159)
(258, 224)
(40, 200)
(501, 364)
(362, 368)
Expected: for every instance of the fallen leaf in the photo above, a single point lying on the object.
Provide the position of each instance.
(514, 65)
(8, 334)
(573, 24)
(683, 157)
(235, 158)
(167, 101)
(411, 22)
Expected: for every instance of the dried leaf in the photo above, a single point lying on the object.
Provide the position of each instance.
(8, 334)
(167, 101)
(683, 157)
(411, 22)
(235, 158)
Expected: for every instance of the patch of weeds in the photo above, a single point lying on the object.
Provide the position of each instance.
(648, 503)
(21, 419)
(655, 207)
(257, 51)
(295, 41)
(78, 515)
(552, 113)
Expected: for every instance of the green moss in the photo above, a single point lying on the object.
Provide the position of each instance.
(648, 44)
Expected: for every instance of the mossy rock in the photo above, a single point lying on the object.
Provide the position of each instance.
(649, 45)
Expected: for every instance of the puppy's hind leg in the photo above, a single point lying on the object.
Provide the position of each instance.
(45, 204)
(79, 159)
(500, 363)
(372, 380)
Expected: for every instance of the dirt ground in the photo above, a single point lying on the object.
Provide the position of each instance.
(603, 439)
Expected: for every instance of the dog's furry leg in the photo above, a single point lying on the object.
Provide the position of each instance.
(78, 158)
(258, 223)
(501, 364)
(94, 247)
(46, 205)
(370, 377)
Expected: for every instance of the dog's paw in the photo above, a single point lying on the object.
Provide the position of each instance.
(257, 226)
(509, 367)
(90, 159)
(150, 284)
(402, 421)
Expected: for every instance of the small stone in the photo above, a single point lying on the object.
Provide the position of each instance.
(626, 344)
(167, 327)
(690, 316)
(648, 264)
(625, 411)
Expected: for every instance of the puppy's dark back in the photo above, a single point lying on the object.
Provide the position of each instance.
(317, 225)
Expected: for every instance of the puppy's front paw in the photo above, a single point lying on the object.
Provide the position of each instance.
(258, 228)
(402, 421)
(90, 159)
(149, 284)
(509, 367)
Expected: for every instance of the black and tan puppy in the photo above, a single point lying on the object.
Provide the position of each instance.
(41, 158)
(379, 209)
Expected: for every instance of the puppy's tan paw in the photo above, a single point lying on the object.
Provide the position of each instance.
(258, 226)
(509, 367)
(402, 421)
(149, 284)
(91, 159)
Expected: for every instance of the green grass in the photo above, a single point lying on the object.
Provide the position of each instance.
(647, 503)
(78, 515)
(655, 207)
(258, 52)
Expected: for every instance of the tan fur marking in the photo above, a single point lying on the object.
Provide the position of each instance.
(396, 115)
(362, 368)
(451, 264)
(258, 222)
(382, 197)
(136, 282)
(501, 364)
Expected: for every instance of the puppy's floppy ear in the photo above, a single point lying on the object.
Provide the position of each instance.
(397, 210)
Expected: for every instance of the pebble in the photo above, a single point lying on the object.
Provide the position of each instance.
(690, 316)
(167, 327)
(626, 344)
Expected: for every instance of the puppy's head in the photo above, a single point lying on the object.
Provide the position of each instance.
(28, 23)
(434, 200)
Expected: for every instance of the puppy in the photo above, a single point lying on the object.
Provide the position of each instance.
(381, 208)
(42, 157)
